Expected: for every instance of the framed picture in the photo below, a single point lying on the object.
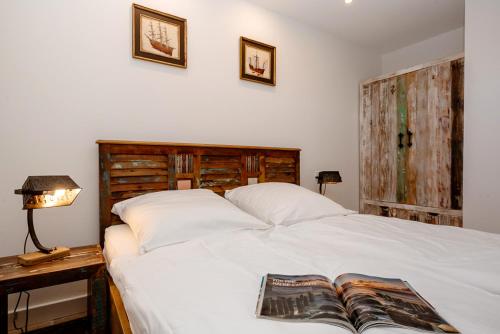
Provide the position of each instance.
(158, 37)
(257, 61)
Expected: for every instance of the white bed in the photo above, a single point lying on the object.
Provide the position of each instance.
(210, 284)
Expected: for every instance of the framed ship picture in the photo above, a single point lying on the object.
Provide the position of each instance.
(158, 37)
(257, 62)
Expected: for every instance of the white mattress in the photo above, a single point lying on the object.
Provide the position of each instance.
(210, 285)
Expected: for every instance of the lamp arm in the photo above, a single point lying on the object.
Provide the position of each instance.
(31, 230)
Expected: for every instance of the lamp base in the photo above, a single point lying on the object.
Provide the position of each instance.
(30, 259)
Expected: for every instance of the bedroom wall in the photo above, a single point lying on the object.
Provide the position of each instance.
(68, 78)
(482, 117)
(443, 45)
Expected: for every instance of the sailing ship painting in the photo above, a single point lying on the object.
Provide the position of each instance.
(257, 61)
(159, 37)
(159, 40)
(255, 66)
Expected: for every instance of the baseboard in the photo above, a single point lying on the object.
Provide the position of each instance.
(45, 315)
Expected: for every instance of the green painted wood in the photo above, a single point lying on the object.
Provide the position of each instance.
(402, 110)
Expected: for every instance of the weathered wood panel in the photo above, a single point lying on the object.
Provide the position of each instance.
(411, 149)
(432, 151)
(457, 132)
(444, 127)
(280, 169)
(402, 150)
(427, 112)
(375, 147)
(365, 143)
(388, 138)
(138, 179)
(422, 138)
(138, 172)
(138, 164)
(435, 216)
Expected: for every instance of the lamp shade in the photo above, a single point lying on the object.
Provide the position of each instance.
(329, 177)
(48, 191)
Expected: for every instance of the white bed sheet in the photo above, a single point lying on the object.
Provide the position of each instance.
(210, 285)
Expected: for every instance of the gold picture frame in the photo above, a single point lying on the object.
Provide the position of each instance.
(257, 62)
(158, 37)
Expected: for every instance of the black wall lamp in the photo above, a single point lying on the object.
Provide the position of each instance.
(45, 192)
(327, 177)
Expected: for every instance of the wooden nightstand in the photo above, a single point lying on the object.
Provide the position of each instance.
(83, 263)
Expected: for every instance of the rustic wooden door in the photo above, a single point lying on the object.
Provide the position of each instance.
(378, 152)
(411, 138)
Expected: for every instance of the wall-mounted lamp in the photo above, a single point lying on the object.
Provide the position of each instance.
(328, 177)
(45, 192)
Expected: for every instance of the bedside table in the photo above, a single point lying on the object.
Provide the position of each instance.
(83, 263)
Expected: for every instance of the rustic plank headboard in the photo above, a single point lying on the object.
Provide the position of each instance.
(128, 169)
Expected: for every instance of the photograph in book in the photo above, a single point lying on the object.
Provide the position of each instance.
(373, 300)
(353, 301)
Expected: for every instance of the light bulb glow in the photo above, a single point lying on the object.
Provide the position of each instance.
(59, 192)
(348, 2)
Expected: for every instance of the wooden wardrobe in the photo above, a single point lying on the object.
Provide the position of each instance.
(411, 143)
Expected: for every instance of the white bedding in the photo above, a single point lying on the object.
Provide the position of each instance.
(210, 285)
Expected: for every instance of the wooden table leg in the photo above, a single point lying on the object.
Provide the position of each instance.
(3, 314)
(97, 301)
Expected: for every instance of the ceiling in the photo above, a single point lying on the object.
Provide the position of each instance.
(385, 25)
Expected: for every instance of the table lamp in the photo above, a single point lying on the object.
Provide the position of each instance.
(328, 177)
(45, 192)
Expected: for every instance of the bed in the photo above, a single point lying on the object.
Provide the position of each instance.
(457, 270)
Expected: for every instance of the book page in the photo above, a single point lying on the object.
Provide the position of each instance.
(301, 298)
(372, 301)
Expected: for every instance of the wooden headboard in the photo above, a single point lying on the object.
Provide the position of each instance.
(128, 169)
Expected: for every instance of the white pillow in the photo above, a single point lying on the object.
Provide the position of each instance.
(283, 203)
(168, 217)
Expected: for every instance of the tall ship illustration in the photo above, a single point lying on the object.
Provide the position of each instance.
(255, 67)
(159, 39)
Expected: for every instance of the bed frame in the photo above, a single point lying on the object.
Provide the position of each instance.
(130, 168)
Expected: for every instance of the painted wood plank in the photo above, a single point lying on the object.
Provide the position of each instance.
(375, 150)
(138, 179)
(432, 152)
(222, 164)
(443, 134)
(135, 157)
(204, 171)
(414, 68)
(450, 212)
(137, 172)
(262, 168)
(411, 161)
(402, 148)
(457, 133)
(365, 142)
(271, 160)
(208, 177)
(139, 186)
(422, 137)
(139, 164)
(387, 142)
(281, 170)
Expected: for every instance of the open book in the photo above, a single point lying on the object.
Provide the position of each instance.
(352, 301)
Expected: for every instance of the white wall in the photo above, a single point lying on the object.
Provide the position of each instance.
(444, 45)
(68, 78)
(482, 116)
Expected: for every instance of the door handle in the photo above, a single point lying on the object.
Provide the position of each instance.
(410, 144)
(401, 135)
